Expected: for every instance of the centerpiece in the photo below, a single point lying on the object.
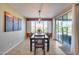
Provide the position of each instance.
(39, 31)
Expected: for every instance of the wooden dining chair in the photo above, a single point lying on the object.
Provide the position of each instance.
(39, 43)
(30, 34)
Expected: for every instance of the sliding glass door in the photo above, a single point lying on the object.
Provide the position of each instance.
(59, 29)
(64, 29)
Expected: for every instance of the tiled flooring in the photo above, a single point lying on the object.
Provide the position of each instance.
(24, 49)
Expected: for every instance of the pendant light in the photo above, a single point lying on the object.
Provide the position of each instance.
(39, 19)
(39, 11)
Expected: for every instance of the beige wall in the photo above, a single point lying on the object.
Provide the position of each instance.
(49, 26)
(75, 40)
(54, 29)
(9, 39)
(28, 26)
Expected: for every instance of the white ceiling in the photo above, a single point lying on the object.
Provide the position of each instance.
(31, 9)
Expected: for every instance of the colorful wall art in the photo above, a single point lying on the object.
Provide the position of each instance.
(20, 24)
(16, 24)
(8, 22)
(12, 23)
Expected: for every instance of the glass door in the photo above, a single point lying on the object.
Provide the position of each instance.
(64, 29)
(59, 29)
(70, 27)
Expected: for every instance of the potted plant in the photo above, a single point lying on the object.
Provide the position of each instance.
(39, 31)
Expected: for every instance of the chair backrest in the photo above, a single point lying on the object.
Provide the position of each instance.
(30, 34)
(48, 35)
(40, 36)
(39, 40)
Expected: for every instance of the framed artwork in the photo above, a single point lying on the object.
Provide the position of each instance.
(15, 24)
(20, 24)
(8, 22)
(12, 23)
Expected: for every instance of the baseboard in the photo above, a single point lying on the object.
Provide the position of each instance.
(12, 47)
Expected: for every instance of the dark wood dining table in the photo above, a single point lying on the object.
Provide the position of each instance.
(33, 37)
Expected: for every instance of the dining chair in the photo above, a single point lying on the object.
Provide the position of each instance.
(39, 43)
(30, 34)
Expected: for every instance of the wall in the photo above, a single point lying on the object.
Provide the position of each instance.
(54, 28)
(28, 26)
(49, 27)
(75, 40)
(9, 39)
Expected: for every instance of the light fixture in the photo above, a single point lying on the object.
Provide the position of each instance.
(39, 19)
(39, 11)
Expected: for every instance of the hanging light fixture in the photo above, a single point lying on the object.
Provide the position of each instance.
(39, 19)
(39, 11)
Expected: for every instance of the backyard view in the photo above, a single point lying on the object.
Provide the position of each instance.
(64, 29)
(36, 25)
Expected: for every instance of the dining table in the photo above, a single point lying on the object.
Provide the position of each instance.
(33, 37)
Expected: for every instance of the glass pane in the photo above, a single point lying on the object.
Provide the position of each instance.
(60, 31)
(70, 28)
(60, 18)
(70, 15)
(39, 26)
(65, 17)
(57, 25)
(45, 26)
(67, 30)
(33, 26)
(64, 29)
(57, 29)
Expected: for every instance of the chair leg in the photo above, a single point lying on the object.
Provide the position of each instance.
(35, 51)
(43, 50)
(47, 46)
(30, 45)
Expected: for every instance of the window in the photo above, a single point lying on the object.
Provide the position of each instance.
(59, 29)
(45, 26)
(35, 25)
(39, 25)
(64, 29)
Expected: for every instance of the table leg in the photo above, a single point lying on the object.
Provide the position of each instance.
(30, 44)
(48, 45)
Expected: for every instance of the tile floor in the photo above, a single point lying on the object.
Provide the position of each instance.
(24, 49)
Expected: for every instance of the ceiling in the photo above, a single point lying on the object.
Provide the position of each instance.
(48, 10)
